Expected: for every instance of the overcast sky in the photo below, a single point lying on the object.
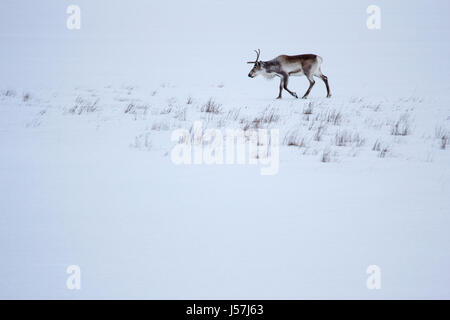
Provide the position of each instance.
(127, 39)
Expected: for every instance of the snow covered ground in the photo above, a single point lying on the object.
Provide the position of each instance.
(87, 179)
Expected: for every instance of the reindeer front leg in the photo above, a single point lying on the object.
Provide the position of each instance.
(281, 88)
(285, 83)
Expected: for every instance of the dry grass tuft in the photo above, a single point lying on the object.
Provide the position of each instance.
(83, 106)
(211, 107)
(401, 127)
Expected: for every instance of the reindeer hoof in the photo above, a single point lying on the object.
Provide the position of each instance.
(304, 97)
(295, 95)
(329, 95)
(279, 98)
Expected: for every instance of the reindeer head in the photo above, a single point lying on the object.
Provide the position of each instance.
(257, 67)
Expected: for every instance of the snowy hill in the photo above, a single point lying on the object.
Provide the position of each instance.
(87, 175)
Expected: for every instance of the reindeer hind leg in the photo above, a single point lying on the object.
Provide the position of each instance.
(324, 78)
(311, 84)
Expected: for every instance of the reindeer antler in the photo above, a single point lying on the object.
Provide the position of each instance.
(258, 52)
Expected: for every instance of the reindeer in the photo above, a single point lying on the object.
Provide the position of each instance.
(284, 66)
